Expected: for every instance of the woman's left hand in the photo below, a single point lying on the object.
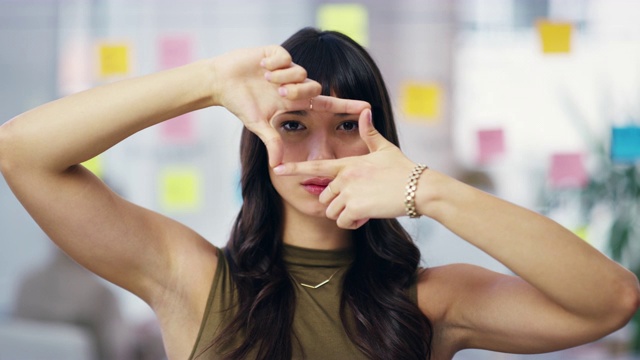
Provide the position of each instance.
(256, 83)
(364, 187)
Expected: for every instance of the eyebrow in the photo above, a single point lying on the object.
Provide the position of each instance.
(305, 113)
(296, 112)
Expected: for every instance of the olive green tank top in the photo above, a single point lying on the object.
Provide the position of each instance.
(318, 330)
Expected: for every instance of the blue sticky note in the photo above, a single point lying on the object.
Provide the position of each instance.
(625, 144)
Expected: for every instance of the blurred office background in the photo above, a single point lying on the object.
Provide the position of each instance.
(536, 101)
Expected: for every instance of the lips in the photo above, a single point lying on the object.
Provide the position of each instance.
(316, 186)
(317, 181)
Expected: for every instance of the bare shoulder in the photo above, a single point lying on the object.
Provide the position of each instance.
(180, 309)
(438, 290)
(439, 286)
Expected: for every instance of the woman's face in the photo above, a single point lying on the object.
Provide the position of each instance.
(313, 135)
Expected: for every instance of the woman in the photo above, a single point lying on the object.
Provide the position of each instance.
(311, 270)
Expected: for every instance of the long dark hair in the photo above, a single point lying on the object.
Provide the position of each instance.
(387, 324)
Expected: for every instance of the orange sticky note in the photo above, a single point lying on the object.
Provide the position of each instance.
(421, 100)
(180, 189)
(349, 19)
(114, 59)
(95, 165)
(555, 37)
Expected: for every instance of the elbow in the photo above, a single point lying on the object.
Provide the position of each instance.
(4, 138)
(627, 303)
(4, 148)
(633, 299)
(7, 148)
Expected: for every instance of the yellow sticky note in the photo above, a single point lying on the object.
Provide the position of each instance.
(180, 189)
(555, 36)
(349, 19)
(421, 100)
(114, 59)
(95, 166)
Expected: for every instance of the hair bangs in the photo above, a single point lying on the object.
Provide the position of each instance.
(341, 70)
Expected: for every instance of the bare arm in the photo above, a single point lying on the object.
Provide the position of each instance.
(128, 245)
(566, 292)
(165, 263)
(41, 148)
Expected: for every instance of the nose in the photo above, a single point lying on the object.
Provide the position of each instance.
(321, 147)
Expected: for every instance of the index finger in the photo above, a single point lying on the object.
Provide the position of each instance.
(276, 57)
(321, 168)
(338, 105)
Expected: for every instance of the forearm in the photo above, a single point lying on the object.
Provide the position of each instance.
(73, 129)
(555, 261)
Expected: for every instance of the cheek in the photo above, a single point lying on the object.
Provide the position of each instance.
(294, 151)
(353, 148)
(278, 182)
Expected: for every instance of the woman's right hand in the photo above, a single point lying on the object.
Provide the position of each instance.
(255, 84)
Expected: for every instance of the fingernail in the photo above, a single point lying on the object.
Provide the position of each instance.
(267, 75)
(278, 170)
(370, 118)
(282, 91)
(263, 62)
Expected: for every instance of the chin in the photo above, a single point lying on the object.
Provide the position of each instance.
(317, 211)
(311, 209)
(305, 205)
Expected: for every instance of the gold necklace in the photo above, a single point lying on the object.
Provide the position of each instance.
(320, 284)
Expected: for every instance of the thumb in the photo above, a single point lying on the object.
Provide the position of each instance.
(374, 140)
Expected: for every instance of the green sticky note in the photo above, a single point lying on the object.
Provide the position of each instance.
(95, 166)
(349, 19)
(180, 189)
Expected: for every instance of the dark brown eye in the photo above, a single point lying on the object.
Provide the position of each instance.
(349, 126)
(292, 126)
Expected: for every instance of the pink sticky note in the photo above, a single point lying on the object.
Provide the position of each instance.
(490, 145)
(568, 171)
(178, 130)
(74, 66)
(174, 50)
